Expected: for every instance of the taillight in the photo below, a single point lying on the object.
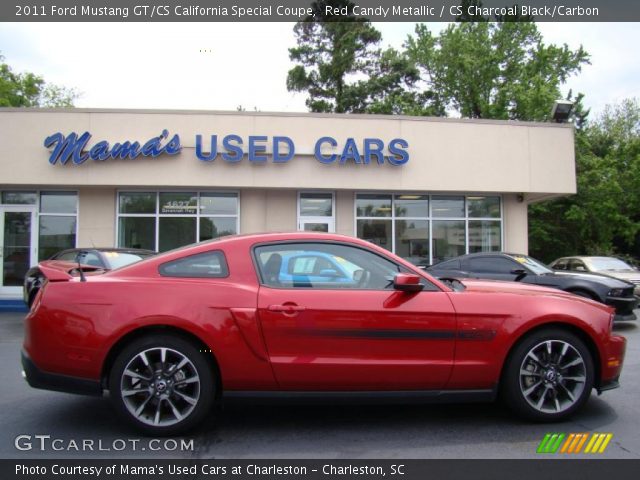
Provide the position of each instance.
(38, 298)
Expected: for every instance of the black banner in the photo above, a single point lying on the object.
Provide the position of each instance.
(296, 10)
(319, 469)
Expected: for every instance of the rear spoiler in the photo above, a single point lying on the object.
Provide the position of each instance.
(60, 271)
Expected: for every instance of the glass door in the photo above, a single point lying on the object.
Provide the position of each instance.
(316, 212)
(17, 247)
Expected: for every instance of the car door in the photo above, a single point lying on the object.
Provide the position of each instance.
(495, 267)
(355, 335)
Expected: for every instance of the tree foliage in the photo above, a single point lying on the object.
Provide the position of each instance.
(499, 70)
(342, 68)
(603, 218)
(30, 90)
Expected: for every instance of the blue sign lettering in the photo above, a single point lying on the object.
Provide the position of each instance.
(326, 150)
(74, 148)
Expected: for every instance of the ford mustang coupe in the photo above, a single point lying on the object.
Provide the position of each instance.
(172, 334)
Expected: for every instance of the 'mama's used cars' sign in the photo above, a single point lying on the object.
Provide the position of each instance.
(233, 149)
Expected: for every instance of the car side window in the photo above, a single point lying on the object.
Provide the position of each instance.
(202, 265)
(560, 265)
(492, 265)
(67, 257)
(577, 265)
(90, 258)
(325, 266)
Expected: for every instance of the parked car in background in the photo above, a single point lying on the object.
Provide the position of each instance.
(616, 293)
(218, 320)
(614, 267)
(100, 259)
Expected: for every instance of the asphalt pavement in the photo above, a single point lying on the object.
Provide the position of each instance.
(42, 424)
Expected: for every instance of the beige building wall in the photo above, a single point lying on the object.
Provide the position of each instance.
(445, 154)
(514, 222)
(96, 217)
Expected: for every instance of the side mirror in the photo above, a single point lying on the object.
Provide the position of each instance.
(407, 282)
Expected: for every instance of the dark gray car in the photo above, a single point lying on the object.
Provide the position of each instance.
(522, 268)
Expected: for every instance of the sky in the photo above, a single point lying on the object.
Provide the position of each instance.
(221, 66)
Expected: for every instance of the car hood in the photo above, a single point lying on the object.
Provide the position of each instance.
(592, 277)
(632, 276)
(478, 285)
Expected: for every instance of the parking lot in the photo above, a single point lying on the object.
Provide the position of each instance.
(324, 431)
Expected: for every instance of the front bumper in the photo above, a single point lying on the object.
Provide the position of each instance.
(624, 306)
(60, 383)
(611, 363)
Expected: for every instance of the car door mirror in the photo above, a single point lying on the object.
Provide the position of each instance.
(407, 282)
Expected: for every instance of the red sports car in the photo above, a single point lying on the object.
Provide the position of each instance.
(339, 317)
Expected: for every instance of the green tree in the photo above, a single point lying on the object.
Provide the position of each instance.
(603, 218)
(499, 69)
(332, 53)
(30, 90)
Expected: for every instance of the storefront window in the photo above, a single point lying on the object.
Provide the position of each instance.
(176, 232)
(58, 202)
(376, 231)
(137, 232)
(412, 206)
(19, 198)
(412, 240)
(484, 236)
(426, 229)
(316, 205)
(447, 207)
(162, 221)
(182, 203)
(137, 202)
(58, 222)
(448, 239)
(484, 207)
(373, 205)
(214, 227)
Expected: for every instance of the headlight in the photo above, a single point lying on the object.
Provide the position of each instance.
(617, 292)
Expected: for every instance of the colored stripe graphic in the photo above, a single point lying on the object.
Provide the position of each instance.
(573, 443)
(598, 443)
(551, 442)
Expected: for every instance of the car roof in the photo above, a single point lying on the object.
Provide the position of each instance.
(108, 249)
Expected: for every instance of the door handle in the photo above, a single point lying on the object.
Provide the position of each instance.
(285, 308)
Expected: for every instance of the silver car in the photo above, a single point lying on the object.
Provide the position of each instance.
(614, 267)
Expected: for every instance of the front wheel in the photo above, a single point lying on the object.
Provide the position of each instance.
(549, 376)
(162, 384)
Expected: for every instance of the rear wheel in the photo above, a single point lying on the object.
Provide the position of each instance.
(162, 384)
(549, 376)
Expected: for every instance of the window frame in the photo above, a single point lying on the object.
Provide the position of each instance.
(429, 286)
(224, 266)
(430, 218)
(157, 215)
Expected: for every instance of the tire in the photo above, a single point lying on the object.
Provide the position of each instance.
(162, 384)
(548, 388)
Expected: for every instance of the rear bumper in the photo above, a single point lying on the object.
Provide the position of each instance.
(60, 383)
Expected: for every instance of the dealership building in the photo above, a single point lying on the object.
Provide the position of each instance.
(427, 189)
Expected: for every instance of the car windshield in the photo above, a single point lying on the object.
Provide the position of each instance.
(532, 264)
(608, 263)
(121, 259)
